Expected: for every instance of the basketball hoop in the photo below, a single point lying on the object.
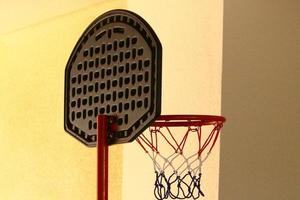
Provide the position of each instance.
(178, 145)
(113, 93)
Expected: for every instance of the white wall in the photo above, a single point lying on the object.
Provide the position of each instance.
(191, 36)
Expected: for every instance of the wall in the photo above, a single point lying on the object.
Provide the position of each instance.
(39, 160)
(191, 36)
(16, 14)
(260, 98)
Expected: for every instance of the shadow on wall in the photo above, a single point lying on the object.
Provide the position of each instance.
(260, 99)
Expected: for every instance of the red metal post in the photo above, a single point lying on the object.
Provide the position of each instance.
(102, 158)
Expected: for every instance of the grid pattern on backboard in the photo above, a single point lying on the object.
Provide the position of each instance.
(114, 69)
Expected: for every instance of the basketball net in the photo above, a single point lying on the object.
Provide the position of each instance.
(178, 146)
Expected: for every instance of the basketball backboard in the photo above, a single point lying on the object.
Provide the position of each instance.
(114, 69)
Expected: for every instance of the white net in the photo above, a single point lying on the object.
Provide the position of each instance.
(178, 153)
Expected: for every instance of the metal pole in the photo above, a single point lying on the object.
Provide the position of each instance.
(102, 158)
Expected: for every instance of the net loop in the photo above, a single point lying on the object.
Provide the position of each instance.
(177, 187)
(178, 146)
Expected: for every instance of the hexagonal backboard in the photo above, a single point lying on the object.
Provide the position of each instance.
(114, 69)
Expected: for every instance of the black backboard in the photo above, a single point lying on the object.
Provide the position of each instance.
(114, 69)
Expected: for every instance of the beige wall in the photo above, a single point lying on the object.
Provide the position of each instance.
(39, 160)
(17, 14)
(191, 36)
(260, 98)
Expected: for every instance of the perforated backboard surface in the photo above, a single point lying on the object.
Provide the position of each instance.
(114, 69)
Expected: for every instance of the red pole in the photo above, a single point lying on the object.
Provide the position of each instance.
(102, 158)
